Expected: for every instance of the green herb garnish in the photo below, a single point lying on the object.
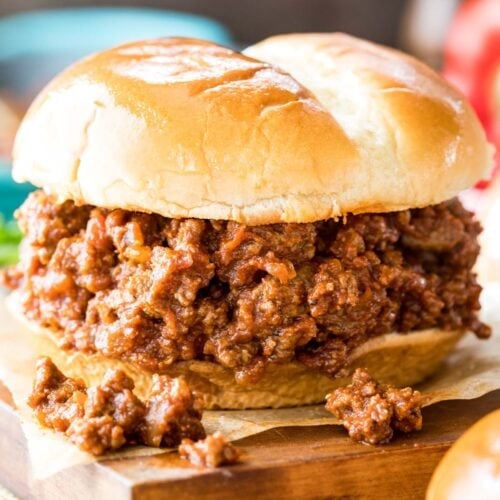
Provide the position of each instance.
(10, 236)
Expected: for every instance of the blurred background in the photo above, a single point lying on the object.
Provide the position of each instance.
(252, 20)
(40, 37)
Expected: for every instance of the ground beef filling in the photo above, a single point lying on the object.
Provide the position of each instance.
(213, 451)
(108, 416)
(371, 412)
(152, 290)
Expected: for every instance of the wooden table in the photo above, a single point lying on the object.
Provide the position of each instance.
(295, 462)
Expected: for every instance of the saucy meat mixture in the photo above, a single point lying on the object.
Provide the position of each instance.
(371, 411)
(213, 451)
(109, 415)
(153, 290)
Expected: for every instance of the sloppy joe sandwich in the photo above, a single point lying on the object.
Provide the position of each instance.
(261, 223)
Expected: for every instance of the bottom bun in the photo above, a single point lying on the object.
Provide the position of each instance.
(398, 359)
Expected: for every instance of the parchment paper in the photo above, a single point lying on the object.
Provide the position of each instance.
(471, 371)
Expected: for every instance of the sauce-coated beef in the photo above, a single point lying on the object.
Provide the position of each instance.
(211, 452)
(109, 415)
(152, 290)
(371, 411)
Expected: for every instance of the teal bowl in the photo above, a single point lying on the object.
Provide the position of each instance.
(37, 45)
(12, 194)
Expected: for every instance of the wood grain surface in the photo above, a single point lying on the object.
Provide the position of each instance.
(295, 462)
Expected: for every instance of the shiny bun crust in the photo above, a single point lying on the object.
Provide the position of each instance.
(471, 468)
(418, 140)
(186, 128)
(393, 358)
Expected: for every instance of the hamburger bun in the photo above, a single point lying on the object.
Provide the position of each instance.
(186, 128)
(471, 468)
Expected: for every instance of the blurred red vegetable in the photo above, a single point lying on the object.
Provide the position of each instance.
(472, 62)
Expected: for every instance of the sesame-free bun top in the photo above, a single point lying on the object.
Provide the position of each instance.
(186, 128)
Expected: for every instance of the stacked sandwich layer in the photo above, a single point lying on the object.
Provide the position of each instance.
(202, 205)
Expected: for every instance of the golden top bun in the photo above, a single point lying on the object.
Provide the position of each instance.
(392, 358)
(419, 141)
(183, 128)
(186, 128)
(471, 468)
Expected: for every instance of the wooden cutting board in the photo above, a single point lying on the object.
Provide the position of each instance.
(295, 462)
